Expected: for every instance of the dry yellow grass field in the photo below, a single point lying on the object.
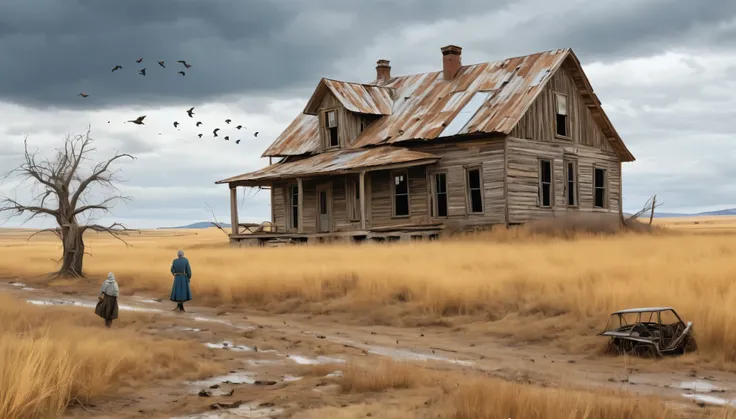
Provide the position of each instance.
(52, 356)
(571, 283)
(556, 288)
(489, 398)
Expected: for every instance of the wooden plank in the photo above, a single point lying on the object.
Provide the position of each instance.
(300, 210)
(362, 200)
(234, 210)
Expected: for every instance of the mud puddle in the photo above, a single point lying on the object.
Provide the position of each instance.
(400, 354)
(249, 411)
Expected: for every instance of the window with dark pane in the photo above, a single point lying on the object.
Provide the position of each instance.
(599, 187)
(572, 178)
(294, 206)
(331, 125)
(401, 194)
(440, 192)
(561, 115)
(475, 191)
(545, 183)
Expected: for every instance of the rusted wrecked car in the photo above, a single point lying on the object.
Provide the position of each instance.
(649, 332)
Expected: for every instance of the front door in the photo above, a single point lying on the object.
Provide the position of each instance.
(323, 210)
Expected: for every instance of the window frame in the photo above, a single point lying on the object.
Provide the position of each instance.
(576, 183)
(540, 189)
(606, 189)
(434, 203)
(352, 199)
(392, 180)
(326, 130)
(556, 96)
(468, 191)
(293, 223)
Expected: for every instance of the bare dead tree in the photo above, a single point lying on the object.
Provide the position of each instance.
(62, 196)
(649, 207)
(216, 223)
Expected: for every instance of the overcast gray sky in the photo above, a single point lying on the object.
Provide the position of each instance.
(665, 71)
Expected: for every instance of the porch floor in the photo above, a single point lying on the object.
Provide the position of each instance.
(379, 234)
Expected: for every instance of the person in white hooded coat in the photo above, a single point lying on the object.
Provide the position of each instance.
(107, 306)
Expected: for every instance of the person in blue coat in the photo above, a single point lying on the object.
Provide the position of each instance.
(180, 292)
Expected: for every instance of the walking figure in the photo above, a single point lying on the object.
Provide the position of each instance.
(180, 292)
(107, 306)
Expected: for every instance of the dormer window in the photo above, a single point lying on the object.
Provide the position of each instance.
(331, 125)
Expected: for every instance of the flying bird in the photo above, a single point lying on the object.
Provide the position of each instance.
(256, 134)
(215, 131)
(161, 63)
(139, 120)
(190, 112)
(83, 94)
(182, 73)
(199, 135)
(198, 123)
(237, 141)
(139, 60)
(176, 124)
(227, 138)
(185, 63)
(227, 121)
(239, 126)
(117, 67)
(142, 72)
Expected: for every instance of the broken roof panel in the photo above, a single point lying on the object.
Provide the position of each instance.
(424, 105)
(335, 162)
(355, 97)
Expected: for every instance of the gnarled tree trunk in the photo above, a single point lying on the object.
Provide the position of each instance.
(73, 244)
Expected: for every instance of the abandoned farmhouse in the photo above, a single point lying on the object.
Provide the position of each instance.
(467, 146)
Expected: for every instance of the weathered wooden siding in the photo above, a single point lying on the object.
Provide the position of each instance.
(534, 138)
(340, 219)
(455, 158)
(538, 122)
(279, 207)
(381, 210)
(523, 178)
(348, 123)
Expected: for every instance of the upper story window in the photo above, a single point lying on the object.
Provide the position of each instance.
(332, 139)
(562, 120)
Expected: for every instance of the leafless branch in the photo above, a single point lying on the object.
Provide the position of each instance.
(216, 223)
(56, 231)
(115, 229)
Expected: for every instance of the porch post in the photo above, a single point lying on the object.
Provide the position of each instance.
(234, 209)
(362, 200)
(300, 206)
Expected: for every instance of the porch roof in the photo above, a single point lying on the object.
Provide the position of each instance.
(337, 162)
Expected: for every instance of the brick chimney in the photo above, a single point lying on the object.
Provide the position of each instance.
(383, 71)
(451, 61)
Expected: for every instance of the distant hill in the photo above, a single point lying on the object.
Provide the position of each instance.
(201, 224)
(728, 211)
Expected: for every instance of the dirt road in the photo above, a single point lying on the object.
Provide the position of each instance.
(267, 355)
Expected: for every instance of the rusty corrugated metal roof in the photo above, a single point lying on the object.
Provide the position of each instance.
(335, 162)
(482, 98)
(355, 97)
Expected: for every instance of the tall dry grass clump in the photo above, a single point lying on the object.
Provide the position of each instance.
(497, 399)
(380, 376)
(537, 280)
(51, 356)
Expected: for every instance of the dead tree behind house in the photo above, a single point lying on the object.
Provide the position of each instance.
(61, 193)
(496, 143)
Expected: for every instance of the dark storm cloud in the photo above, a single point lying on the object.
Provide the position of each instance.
(609, 31)
(60, 49)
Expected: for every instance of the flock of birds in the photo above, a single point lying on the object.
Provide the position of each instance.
(190, 111)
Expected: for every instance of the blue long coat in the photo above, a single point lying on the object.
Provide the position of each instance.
(180, 291)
